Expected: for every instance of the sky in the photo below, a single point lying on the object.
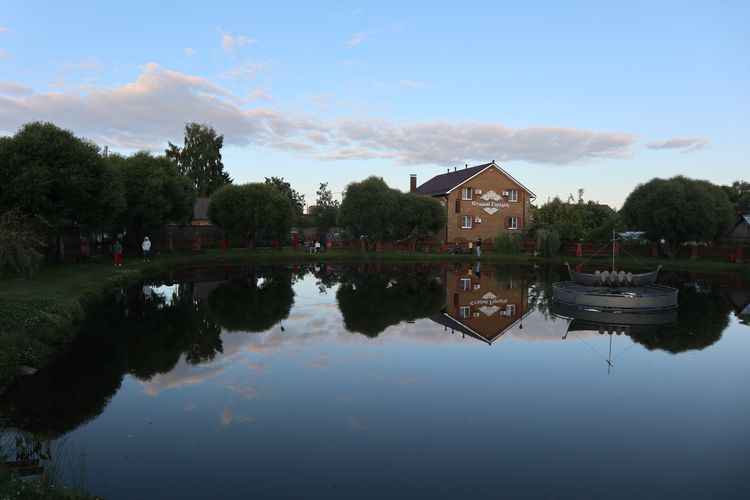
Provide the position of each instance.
(599, 96)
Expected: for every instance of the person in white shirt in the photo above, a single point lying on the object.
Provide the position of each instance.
(146, 246)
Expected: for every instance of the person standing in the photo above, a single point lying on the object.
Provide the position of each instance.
(117, 252)
(146, 246)
(317, 246)
(479, 246)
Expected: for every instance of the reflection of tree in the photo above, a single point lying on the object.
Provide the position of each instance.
(252, 304)
(540, 290)
(701, 319)
(125, 334)
(370, 303)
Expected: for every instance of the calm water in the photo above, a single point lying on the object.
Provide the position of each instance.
(391, 382)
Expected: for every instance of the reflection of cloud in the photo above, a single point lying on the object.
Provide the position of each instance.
(320, 364)
(354, 423)
(684, 144)
(190, 407)
(244, 388)
(228, 417)
(182, 375)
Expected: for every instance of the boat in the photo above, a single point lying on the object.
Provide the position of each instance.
(615, 292)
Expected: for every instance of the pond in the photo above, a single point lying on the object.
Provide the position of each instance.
(387, 380)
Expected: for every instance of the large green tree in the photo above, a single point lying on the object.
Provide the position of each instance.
(48, 172)
(297, 200)
(155, 192)
(677, 210)
(419, 216)
(326, 209)
(370, 209)
(200, 158)
(246, 209)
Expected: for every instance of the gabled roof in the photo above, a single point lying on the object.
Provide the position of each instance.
(445, 183)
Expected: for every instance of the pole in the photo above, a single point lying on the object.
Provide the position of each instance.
(613, 250)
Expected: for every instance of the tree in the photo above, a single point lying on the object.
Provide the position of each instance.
(48, 172)
(575, 220)
(326, 209)
(739, 196)
(200, 158)
(674, 211)
(369, 209)
(297, 200)
(154, 191)
(419, 216)
(249, 208)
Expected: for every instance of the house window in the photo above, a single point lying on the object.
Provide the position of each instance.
(465, 284)
(513, 195)
(512, 222)
(466, 221)
(465, 193)
(464, 312)
(510, 310)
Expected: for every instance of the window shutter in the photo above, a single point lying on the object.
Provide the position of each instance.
(458, 206)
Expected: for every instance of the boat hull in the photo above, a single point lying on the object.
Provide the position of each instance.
(623, 299)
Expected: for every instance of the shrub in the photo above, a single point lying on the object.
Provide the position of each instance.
(507, 244)
(19, 244)
(548, 242)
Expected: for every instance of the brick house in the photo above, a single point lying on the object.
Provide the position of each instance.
(484, 200)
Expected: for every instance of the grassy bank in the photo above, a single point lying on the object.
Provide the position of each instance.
(39, 315)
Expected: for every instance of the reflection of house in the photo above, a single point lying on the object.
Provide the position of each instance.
(481, 201)
(483, 305)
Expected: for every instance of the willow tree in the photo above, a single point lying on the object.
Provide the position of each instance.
(246, 209)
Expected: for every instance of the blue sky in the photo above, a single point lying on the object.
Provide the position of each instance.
(563, 95)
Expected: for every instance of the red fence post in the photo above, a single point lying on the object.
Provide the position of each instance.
(378, 246)
(738, 257)
(654, 250)
(362, 244)
(579, 249)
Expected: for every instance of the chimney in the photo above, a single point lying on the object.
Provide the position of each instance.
(454, 169)
(466, 165)
(413, 183)
(447, 171)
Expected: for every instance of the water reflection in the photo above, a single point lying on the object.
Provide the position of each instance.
(287, 336)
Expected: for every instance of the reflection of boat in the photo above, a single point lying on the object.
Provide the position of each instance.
(612, 323)
(644, 299)
(594, 319)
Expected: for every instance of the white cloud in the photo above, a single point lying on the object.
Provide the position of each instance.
(3, 29)
(12, 88)
(362, 36)
(86, 64)
(245, 71)
(410, 84)
(146, 113)
(261, 93)
(684, 144)
(228, 42)
(190, 51)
